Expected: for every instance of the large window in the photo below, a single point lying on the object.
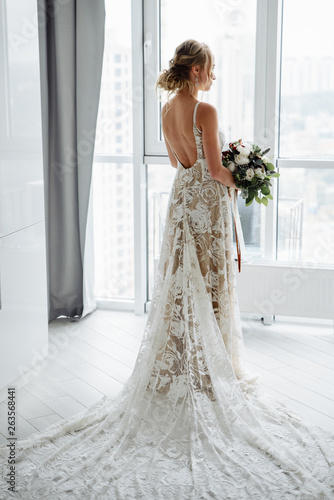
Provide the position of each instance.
(274, 86)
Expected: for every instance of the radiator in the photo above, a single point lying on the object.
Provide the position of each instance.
(286, 289)
(270, 288)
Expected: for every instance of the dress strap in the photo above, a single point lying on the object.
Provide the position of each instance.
(195, 109)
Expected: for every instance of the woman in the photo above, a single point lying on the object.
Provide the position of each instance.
(189, 422)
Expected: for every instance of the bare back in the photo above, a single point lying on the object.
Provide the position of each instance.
(177, 126)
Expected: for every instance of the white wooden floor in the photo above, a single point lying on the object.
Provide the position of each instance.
(94, 356)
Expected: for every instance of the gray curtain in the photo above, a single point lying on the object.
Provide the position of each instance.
(71, 40)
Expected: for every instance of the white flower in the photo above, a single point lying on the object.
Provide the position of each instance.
(259, 172)
(244, 149)
(241, 160)
(231, 166)
(249, 174)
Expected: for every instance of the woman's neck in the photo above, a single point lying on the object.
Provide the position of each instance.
(185, 93)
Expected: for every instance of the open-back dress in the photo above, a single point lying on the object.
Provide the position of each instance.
(191, 422)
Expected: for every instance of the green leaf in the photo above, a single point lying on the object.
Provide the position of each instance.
(276, 174)
(249, 202)
(265, 151)
(250, 197)
(253, 181)
(270, 166)
(265, 190)
(256, 148)
(269, 197)
(258, 199)
(264, 200)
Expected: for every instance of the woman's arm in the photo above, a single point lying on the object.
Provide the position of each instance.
(208, 119)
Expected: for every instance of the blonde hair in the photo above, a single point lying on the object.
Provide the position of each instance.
(187, 54)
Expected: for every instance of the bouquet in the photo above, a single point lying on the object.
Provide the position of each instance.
(251, 169)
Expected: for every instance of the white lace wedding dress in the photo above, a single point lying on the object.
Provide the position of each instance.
(190, 423)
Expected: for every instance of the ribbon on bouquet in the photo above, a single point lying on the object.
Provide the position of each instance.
(239, 237)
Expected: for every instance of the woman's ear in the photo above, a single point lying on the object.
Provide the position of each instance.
(195, 70)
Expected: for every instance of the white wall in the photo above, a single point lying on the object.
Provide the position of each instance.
(23, 289)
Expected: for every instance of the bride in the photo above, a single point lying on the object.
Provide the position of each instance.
(190, 423)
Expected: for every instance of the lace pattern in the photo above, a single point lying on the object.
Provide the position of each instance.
(191, 422)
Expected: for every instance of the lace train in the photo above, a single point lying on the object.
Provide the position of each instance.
(191, 422)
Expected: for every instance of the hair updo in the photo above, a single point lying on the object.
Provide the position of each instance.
(187, 54)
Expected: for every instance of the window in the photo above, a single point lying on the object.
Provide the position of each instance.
(306, 146)
(307, 87)
(260, 96)
(113, 182)
(306, 215)
(160, 179)
(229, 30)
(112, 104)
(108, 233)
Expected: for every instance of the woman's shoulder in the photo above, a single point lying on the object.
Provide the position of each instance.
(206, 109)
(206, 115)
